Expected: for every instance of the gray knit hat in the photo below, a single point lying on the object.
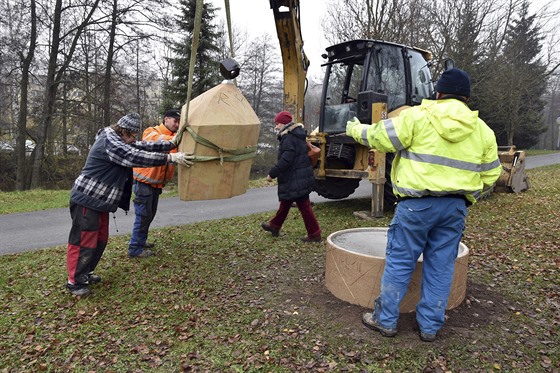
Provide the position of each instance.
(130, 122)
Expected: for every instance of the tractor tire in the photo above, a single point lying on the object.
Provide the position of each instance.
(336, 187)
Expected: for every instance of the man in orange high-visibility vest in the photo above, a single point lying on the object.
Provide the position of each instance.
(148, 185)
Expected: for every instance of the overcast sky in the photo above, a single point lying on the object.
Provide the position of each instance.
(256, 17)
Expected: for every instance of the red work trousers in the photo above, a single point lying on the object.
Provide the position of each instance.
(309, 219)
(86, 243)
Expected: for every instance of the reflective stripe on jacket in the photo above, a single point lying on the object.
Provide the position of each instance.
(442, 147)
(156, 176)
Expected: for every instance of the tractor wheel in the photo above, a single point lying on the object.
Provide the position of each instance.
(336, 187)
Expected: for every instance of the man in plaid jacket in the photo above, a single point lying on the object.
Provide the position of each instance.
(103, 186)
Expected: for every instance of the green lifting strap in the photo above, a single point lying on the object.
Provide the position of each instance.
(194, 49)
(230, 34)
(239, 154)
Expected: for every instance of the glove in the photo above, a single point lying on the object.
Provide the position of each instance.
(176, 140)
(184, 159)
(354, 129)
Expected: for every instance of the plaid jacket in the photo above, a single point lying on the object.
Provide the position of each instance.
(102, 184)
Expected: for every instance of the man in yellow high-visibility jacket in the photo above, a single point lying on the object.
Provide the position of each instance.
(446, 158)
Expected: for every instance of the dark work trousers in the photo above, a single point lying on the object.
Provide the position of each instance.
(86, 243)
(306, 210)
(146, 199)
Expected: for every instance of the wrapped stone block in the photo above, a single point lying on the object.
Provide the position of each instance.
(223, 132)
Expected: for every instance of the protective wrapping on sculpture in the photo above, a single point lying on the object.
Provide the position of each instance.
(222, 133)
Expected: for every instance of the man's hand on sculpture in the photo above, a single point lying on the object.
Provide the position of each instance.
(184, 159)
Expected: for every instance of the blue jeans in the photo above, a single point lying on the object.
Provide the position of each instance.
(146, 200)
(432, 226)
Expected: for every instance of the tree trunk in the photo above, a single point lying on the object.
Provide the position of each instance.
(50, 97)
(53, 80)
(64, 119)
(109, 67)
(138, 108)
(21, 169)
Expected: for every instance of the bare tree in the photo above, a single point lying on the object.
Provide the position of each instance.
(348, 20)
(261, 83)
(115, 65)
(21, 42)
(109, 63)
(85, 79)
(548, 21)
(551, 138)
(259, 69)
(399, 21)
(26, 61)
(132, 24)
(56, 71)
(459, 31)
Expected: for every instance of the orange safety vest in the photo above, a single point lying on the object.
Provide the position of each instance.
(156, 176)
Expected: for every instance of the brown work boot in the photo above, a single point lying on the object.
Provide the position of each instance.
(144, 254)
(78, 290)
(275, 232)
(312, 240)
(93, 278)
(426, 337)
(369, 320)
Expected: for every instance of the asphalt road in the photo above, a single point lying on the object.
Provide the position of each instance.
(40, 229)
(34, 230)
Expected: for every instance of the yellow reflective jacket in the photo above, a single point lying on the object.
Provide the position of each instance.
(156, 176)
(442, 147)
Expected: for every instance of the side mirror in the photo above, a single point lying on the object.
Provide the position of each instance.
(448, 63)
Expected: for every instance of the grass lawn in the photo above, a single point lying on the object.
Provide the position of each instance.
(224, 296)
(41, 199)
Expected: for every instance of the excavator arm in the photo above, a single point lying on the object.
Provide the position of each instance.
(295, 62)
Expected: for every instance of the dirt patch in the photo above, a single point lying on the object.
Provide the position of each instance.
(481, 306)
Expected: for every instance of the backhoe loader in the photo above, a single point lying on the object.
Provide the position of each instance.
(367, 79)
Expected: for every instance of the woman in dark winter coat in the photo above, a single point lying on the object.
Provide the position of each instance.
(295, 178)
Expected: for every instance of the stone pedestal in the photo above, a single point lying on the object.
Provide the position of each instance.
(355, 260)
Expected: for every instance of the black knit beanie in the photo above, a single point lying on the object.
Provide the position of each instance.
(454, 81)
